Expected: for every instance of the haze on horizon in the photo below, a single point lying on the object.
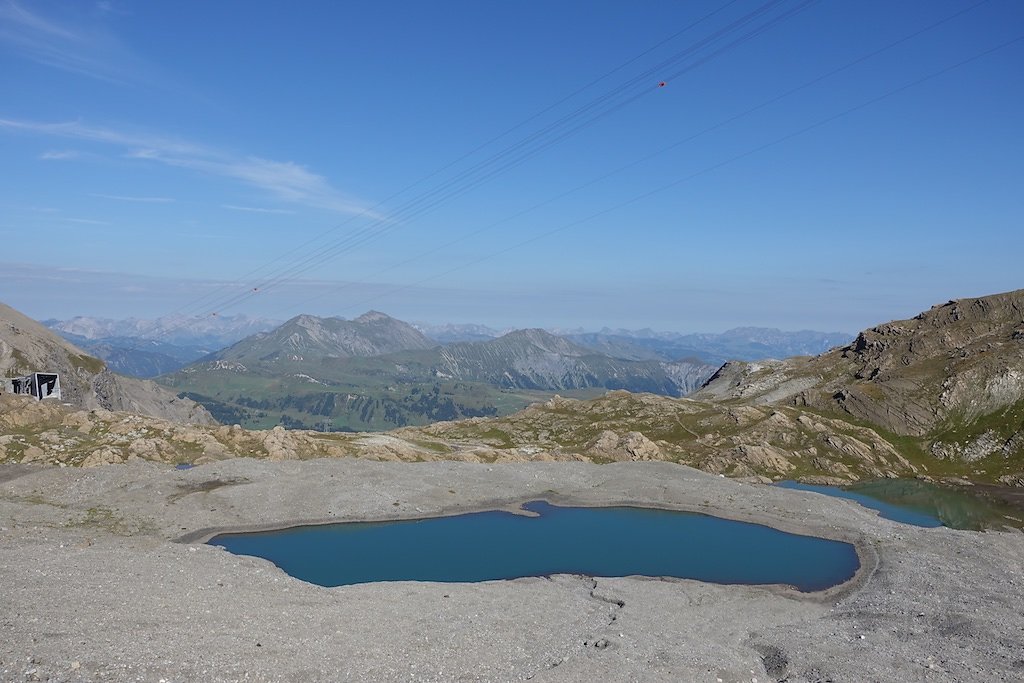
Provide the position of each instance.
(805, 165)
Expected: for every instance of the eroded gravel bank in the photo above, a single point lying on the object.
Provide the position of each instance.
(93, 585)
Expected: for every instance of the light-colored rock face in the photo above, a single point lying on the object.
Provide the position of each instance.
(632, 446)
(26, 346)
(759, 382)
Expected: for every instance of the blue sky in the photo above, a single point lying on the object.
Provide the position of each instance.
(824, 165)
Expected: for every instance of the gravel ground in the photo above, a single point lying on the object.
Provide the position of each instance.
(103, 577)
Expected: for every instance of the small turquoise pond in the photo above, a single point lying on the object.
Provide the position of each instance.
(614, 541)
(917, 516)
(925, 504)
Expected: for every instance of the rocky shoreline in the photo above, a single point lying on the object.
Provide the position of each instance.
(103, 580)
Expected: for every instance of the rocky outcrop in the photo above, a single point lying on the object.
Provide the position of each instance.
(632, 446)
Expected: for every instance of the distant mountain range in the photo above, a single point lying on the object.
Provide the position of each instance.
(536, 359)
(211, 332)
(376, 372)
(147, 348)
(137, 357)
(741, 343)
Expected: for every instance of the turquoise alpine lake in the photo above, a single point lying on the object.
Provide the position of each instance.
(603, 542)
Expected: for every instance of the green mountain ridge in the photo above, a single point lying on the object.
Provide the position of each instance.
(309, 337)
(376, 372)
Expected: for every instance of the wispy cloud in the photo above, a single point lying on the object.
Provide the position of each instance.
(60, 154)
(149, 200)
(254, 209)
(87, 50)
(285, 180)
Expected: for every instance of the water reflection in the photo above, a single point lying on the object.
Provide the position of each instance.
(923, 503)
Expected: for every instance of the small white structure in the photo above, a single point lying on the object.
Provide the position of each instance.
(39, 384)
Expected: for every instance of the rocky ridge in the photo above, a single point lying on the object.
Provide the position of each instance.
(951, 377)
(739, 441)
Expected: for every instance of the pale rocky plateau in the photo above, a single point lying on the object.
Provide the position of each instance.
(105, 578)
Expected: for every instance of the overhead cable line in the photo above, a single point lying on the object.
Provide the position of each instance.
(371, 211)
(464, 181)
(674, 145)
(451, 187)
(697, 174)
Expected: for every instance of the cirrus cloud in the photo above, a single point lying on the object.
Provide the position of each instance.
(87, 48)
(286, 180)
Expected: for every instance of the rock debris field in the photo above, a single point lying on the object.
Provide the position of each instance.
(104, 577)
